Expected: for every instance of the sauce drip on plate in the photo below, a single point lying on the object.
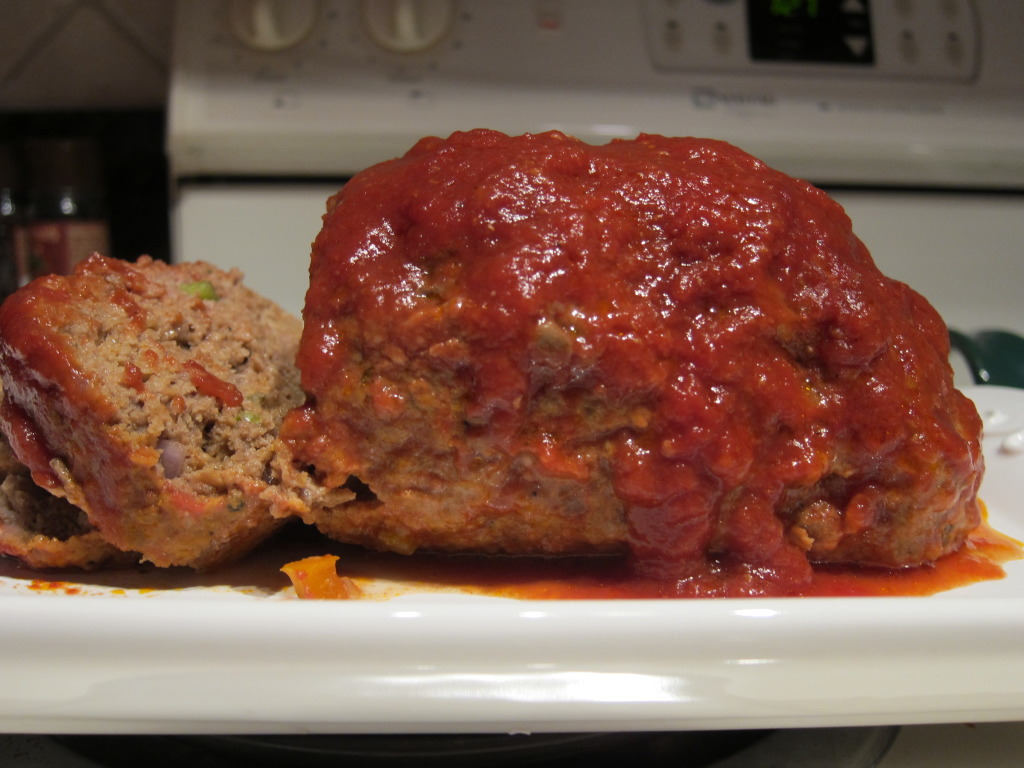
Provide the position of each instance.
(980, 559)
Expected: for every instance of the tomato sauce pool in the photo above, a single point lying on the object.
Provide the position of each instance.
(590, 578)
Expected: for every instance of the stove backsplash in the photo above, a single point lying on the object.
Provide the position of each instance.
(84, 54)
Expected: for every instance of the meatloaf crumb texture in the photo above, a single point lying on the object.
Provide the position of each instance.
(150, 395)
(661, 346)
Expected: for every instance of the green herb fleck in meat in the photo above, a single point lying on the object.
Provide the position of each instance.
(202, 289)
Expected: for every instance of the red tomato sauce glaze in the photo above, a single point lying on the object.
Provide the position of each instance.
(660, 348)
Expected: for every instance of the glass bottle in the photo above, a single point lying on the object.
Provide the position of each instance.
(67, 218)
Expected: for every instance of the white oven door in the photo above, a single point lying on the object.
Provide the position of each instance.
(264, 229)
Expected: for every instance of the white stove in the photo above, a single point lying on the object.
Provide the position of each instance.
(910, 113)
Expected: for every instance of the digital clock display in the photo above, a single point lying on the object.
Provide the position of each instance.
(822, 31)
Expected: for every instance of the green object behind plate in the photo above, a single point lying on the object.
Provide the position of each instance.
(994, 357)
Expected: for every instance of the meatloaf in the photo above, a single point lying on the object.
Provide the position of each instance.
(44, 531)
(149, 395)
(659, 346)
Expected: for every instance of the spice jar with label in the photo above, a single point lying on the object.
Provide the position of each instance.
(67, 211)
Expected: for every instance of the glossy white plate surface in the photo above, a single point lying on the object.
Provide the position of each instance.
(189, 656)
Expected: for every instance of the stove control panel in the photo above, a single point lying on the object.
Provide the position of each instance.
(841, 91)
(895, 39)
(892, 39)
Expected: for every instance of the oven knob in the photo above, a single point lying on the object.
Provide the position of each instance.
(272, 25)
(408, 26)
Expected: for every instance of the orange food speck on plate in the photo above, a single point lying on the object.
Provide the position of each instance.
(40, 585)
(316, 578)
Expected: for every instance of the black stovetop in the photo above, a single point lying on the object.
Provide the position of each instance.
(798, 748)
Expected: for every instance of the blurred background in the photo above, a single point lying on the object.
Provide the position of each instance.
(217, 129)
(83, 90)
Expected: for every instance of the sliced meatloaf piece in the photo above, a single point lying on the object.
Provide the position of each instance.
(150, 395)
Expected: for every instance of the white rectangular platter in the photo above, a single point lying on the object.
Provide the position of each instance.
(207, 658)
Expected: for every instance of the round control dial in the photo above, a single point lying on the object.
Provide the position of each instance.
(272, 25)
(408, 26)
